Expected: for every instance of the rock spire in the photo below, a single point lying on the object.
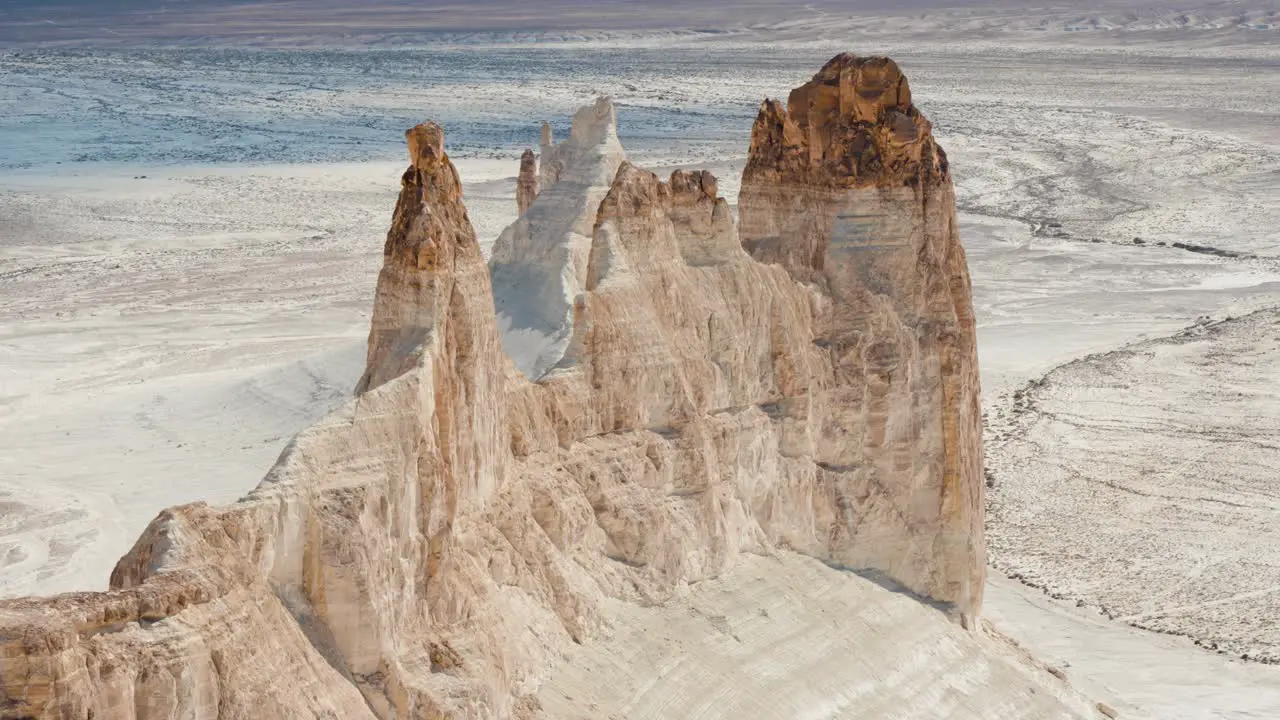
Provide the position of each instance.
(526, 182)
(538, 262)
(847, 189)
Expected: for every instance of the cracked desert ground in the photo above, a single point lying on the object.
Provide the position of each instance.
(189, 241)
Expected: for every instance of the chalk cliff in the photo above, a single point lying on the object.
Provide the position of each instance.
(539, 262)
(672, 400)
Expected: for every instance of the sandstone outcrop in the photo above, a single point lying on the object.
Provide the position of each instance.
(665, 403)
(550, 164)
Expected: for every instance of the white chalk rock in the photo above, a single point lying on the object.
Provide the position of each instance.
(539, 262)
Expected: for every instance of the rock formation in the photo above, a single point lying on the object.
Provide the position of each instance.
(847, 189)
(526, 182)
(550, 164)
(539, 262)
(666, 403)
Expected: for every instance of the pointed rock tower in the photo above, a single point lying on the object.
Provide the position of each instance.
(526, 182)
(846, 188)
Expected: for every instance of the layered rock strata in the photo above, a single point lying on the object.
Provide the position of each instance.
(433, 548)
(847, 189)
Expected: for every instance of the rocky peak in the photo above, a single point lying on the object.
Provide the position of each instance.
(847, 189)
(705, 226)
(430, 232)
(594, 132)
(539, 262)
(549, 168)
(595, 123)
(526, 182)
(426, 145)
(852, 125)
(701, 221)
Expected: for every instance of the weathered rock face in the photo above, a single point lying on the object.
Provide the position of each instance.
(433, 548)
(430, 231)
(526, 182)
(847, 189)
(324, 592)
(539, 262)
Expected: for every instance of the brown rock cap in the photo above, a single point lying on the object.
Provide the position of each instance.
(852, 125)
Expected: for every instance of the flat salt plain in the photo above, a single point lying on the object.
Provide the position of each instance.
(189, 241)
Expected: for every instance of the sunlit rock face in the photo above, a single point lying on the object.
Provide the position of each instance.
(433, 549)
(846, 188)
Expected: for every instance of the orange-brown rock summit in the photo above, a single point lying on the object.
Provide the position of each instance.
(437, 547)
(852, 125)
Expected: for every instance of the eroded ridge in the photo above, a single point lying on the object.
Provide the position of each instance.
(432, 549)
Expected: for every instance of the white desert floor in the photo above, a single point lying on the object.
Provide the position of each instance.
(1160, 459)
(161, 338)
(762, 642)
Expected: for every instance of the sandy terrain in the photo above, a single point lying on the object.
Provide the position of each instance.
(162, 337)
(1142, 482)
(1146, 675)
(759, 643)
